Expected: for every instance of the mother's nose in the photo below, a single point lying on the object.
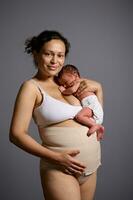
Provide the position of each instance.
(54, 59)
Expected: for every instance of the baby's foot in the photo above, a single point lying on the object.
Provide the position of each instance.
(99, 129)
(100, 133)
(94, 128)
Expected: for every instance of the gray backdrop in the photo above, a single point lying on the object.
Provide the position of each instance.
(100, 33)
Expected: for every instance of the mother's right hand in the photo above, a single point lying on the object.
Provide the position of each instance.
(69, 163)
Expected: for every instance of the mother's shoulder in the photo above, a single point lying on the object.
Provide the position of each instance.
(29, 86)
(91, 81)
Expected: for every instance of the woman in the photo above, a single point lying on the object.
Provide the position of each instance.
(69, 158)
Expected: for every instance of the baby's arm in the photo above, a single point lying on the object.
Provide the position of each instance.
(70, 90)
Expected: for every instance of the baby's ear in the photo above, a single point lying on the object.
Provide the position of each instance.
(77, 77)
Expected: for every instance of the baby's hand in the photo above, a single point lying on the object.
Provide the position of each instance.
(76, 82)
(62, 89)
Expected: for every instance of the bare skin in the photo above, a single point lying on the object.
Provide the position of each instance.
(70, 82)
(68, 185)
(50, 61)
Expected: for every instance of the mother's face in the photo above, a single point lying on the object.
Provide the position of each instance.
(51, 58)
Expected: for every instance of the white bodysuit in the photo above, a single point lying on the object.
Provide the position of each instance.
(93, 103)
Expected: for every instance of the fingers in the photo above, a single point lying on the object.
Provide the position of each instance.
(73, 152)
(73, 161)
(73, 171)
(77, 168)
(78, 165)
(61, 88)
(83, 85)
(72, 165)
(68, 172)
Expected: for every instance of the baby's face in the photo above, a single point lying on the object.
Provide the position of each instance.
(67, 79)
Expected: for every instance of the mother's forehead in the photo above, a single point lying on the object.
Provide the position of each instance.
(55, 44)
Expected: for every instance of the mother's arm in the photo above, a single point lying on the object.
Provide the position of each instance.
(21, 118)
(19, 135)
(92, 86)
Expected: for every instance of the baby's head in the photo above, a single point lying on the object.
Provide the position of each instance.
(67, 75)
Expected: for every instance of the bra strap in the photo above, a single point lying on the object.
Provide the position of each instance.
(38, 86)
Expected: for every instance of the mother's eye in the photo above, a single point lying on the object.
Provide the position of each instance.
(47, 54)
(61, 56)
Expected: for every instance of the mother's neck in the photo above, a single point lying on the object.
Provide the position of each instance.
(42, 77)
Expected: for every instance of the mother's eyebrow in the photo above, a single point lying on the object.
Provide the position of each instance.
(54, 51)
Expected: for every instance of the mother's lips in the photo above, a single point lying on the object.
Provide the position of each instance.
(53, 67)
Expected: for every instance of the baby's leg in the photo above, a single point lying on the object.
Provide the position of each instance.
(99, 129)
(84, 116)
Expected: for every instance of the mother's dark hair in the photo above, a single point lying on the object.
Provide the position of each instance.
(35, 43)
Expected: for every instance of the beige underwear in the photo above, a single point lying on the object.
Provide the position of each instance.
(67, 138)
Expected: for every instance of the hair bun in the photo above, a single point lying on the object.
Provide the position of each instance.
(30, 45)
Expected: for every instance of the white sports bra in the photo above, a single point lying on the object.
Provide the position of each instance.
(52, 111)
